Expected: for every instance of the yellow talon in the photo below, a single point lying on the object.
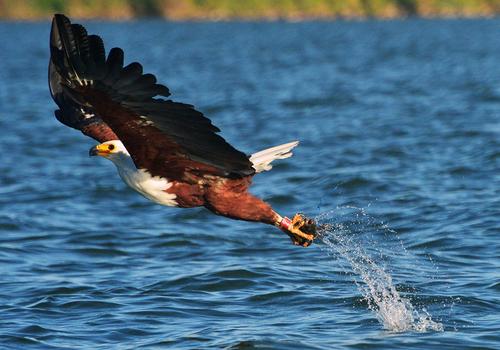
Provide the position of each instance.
(303, 227)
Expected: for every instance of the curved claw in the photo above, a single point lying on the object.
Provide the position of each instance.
(301, 230)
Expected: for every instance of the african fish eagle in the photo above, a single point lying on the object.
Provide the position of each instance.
(167, 151)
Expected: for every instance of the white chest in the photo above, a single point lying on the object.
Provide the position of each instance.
(152, 188)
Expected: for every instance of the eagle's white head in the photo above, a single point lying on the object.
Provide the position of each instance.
(151, 187)
(113, 150)
(109, 149)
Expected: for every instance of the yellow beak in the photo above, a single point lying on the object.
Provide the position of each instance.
(99, 150)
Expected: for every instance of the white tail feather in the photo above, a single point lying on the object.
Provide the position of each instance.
(262, 160)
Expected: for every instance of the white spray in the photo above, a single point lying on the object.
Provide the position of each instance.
(395, 312)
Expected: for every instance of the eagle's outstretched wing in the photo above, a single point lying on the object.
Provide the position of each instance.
(106, 100)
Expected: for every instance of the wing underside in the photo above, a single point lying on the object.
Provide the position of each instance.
(107, 100)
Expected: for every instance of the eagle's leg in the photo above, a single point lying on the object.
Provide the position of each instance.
(237, 203)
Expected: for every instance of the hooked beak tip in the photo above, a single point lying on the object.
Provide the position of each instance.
(93, 152)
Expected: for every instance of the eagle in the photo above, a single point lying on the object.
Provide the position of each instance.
(167, 151)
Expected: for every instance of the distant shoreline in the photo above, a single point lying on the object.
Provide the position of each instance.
(246, 19)
(249, 10)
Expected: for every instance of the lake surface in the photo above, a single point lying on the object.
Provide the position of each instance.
(400, 155)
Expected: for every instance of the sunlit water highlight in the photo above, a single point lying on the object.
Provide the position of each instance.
(338, 229)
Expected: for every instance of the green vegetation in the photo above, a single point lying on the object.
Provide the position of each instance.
(247, 9)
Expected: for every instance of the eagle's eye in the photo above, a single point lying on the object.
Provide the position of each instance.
(111, 147)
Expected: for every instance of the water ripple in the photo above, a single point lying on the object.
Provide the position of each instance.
(398, 123)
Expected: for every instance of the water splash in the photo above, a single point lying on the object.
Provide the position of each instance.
(341, 231)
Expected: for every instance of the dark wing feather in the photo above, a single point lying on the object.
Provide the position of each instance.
(168, 138)
(72, 112)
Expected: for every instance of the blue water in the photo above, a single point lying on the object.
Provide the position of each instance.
(400, 156)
